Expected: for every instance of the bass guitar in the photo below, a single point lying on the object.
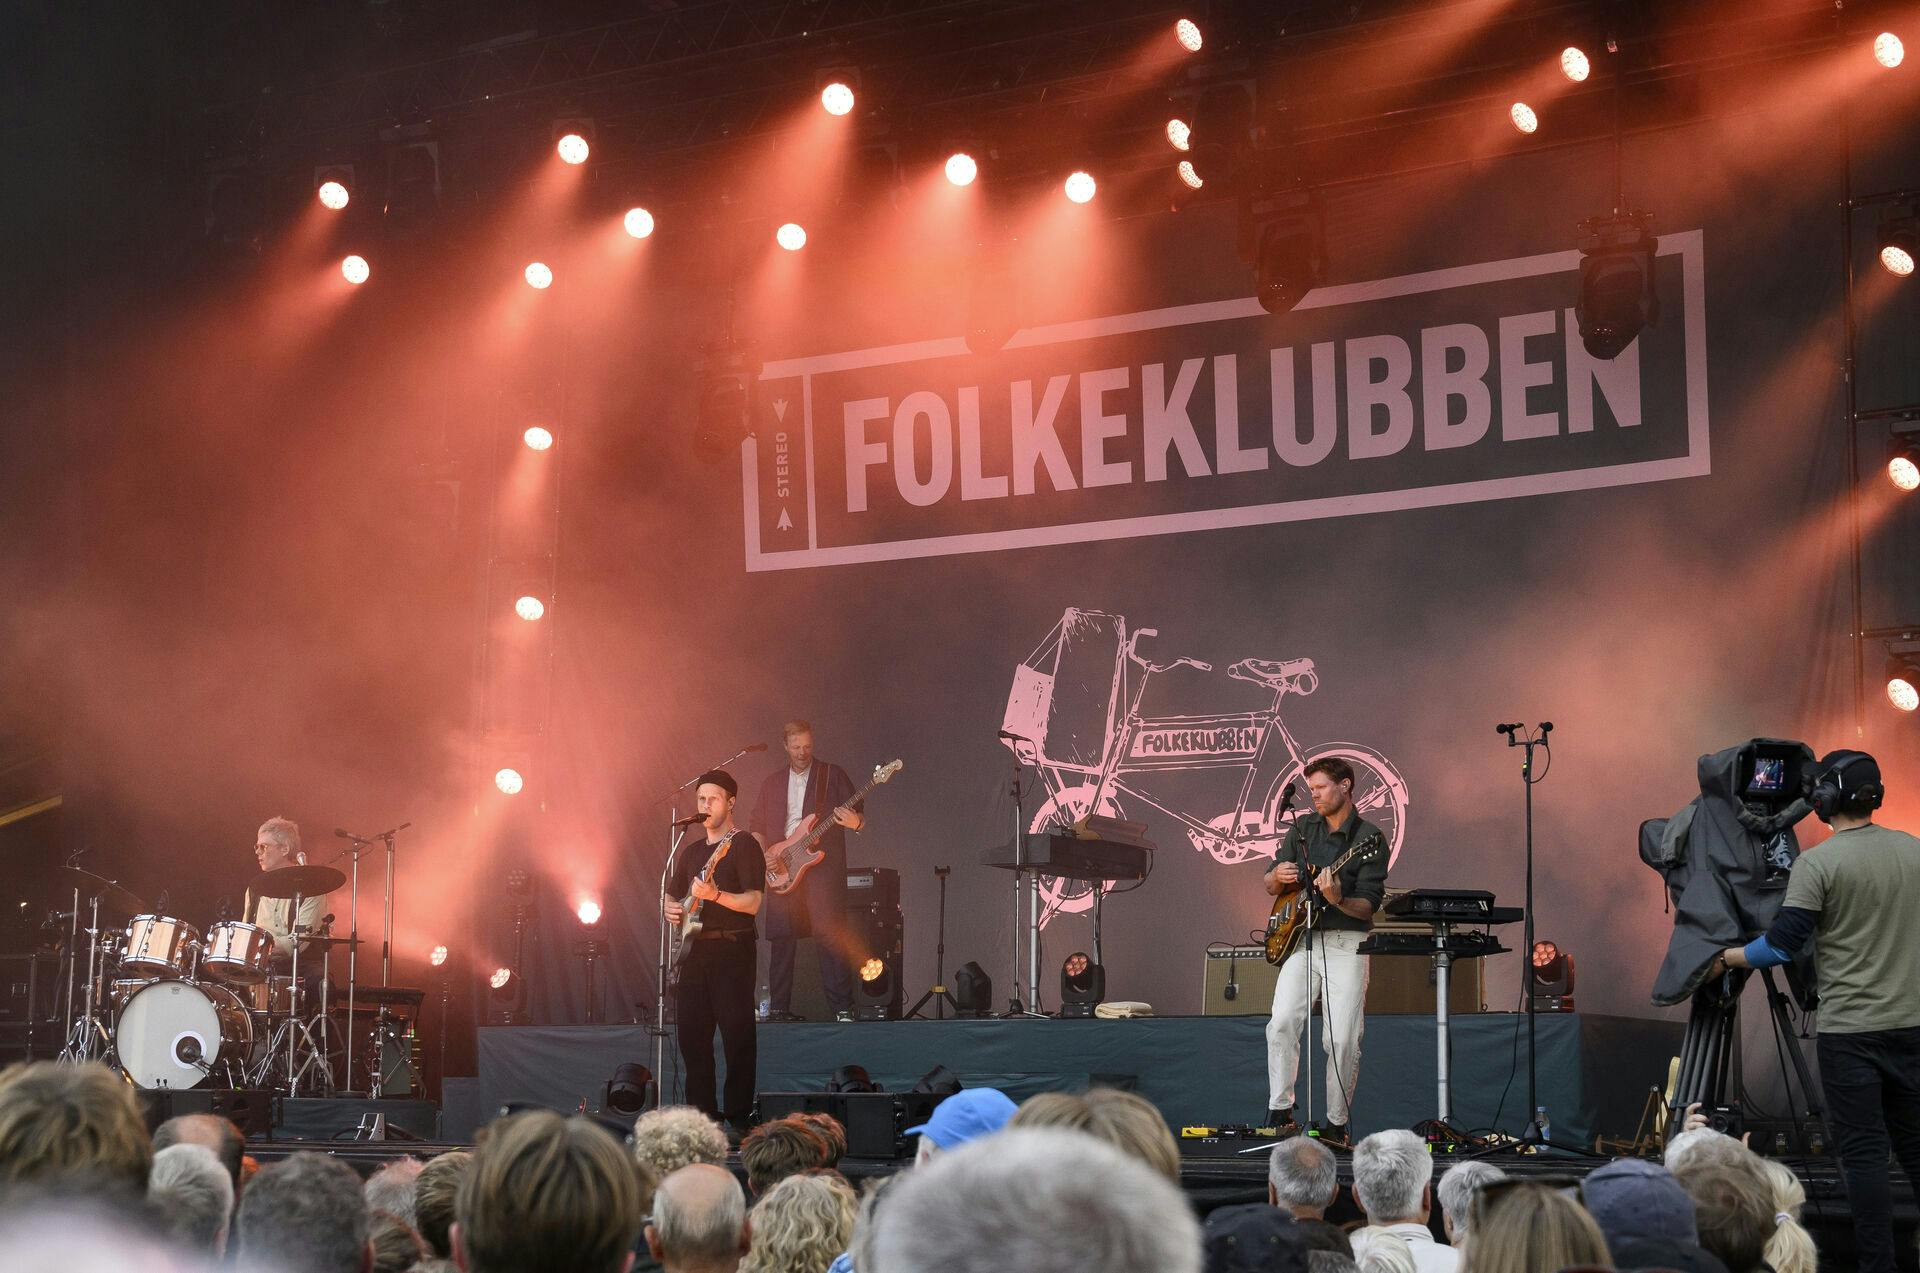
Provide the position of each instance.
(1297, 907)
(690, 922)
(789, 861)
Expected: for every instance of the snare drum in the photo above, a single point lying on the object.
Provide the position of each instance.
(180, 1034)
(237, 952)
(158, 945)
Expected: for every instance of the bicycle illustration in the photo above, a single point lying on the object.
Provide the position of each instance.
(1074, 709)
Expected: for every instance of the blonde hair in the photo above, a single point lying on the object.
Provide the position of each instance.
(795, 726)
(800, 1225)
(435, 1191)
(79, 1120)
(678, 1136)
(1528, 1227)
(549, 1191)
(1124, 1120)
(1791, 1248)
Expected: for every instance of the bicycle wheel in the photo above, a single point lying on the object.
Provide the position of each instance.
(1070, 804)
(1379, 793)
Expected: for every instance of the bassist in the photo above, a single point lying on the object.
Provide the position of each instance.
(1338, 972)
(716, 972)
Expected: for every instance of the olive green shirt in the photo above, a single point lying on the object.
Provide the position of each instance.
(1864, 884)
(1313, 845)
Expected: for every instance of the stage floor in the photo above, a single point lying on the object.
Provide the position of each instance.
(1594, 1071)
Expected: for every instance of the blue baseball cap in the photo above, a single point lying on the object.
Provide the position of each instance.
(966, 1115)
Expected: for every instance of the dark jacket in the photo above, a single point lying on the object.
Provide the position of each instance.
(823, 893)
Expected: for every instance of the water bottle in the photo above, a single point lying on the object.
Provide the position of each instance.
(1540, 1117)
(766, 1001)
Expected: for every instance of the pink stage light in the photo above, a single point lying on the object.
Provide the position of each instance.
(588, 912)
(1180, 133)
(1888, 50)
(836, 98)
(1189, 175)
(1575, 65)
(961, 170)
(639, 222)
(509, 781)
(1902, 693)
(1080, 187)
(1187, 31)
(355, 270)
(333, 195)
(539, 276)
(791, 237)
(1895, 259)
(500, 978)
(537, 438)
(1903, 473)
(573, 148)
(438, 957)
(1523, 117)
(529, 608)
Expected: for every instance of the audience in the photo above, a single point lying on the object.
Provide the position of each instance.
(71, 1122)
(1645, 1217)
(390, 1189)
(1791, 1248)
(830, 1131)
(1393, 1183)
(699, 1222)
(1733, 1209)
(1520, 1227)
(1381, 1250)
(964, 1116)
(397, 1248)
(859, 1253)
(1703, 1144)
(216, 1132)
(1250, 1238)
(1331, 1262)
(1035, 1200)
(435, 1191)
(676, 1136)
(800, 1225)
(1124, 1120)
(1302, 1178)
(304, 1214)
(1455, 1192)
(1324, 1235)
(548, 1192)
(785, 1147)
(191, 1195)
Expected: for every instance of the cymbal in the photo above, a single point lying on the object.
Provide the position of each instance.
(114, 900)
(307, 881)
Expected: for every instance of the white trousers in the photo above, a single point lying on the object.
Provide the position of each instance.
(1338, 979)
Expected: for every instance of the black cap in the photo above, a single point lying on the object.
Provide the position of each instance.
(1851, 770)
(1253, 1237)
(719, 778)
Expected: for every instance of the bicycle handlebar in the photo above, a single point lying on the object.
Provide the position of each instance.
(1133, 653)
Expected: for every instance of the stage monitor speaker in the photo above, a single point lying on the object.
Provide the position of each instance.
(250, 1108)
(1395, 984)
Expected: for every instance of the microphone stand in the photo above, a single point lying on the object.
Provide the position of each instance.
(358, 844)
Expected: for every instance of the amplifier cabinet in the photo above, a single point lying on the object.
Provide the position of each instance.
(1395, 983)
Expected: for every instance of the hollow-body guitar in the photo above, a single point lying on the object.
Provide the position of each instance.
(1296, 909)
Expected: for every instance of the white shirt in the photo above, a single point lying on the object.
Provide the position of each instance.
(796, 799)
(1428, 1256)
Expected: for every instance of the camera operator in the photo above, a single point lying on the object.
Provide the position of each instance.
(1855, 896)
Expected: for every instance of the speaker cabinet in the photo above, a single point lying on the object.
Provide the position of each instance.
(1395, 983)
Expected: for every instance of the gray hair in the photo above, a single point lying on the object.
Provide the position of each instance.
(1331, 1262)
(699, 1214)
(1703, 1145)
(1390, 1169)
(1456, 1190)
(284, 830)
(192, 1195)
(675, 1136)
(997, 1204)
(304, 1215)
(390, 1189)
(1378, 1250)
(1303, 1173)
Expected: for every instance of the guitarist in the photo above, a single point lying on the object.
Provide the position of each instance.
(818, 906)
(716, 973)
(1338, 975)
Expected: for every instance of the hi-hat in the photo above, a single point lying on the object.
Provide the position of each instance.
(114, 900)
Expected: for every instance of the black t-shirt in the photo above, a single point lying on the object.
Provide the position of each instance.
(743, 870)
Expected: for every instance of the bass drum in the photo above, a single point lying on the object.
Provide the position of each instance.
(178, 1034)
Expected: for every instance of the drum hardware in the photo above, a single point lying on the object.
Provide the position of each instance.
(87, 1037)
(357, 846)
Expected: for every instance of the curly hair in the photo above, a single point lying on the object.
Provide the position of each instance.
(801, 1225)
(831, 1130)
(677, 1136)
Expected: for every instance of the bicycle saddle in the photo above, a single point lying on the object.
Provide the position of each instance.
(1268, 672)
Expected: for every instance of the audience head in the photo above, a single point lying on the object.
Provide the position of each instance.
(435, 1191)
(1633, 1200)
(1323, 1235)
(1331, 1262)
(1379, 1250)
(218, 1133)
(699, 1221)
(830, 1131)
(966, 1115)
(1253, 1238)
(1392, 1174)
(547, 1192)
(998, 1205)
(189, 1191)
(1733, 1209)
(397, 1247)
(390, 1189)
(1302, 1177)
(79, 1121)
(860, 1245)
(1791, 1248)
(1703, 1144)
(675, 1136)
(786, 1147)
(83, 1236)
(1124, 1120)
(1520, 1227)
(304, 1214)
(1456, 1190)
(801, 1224)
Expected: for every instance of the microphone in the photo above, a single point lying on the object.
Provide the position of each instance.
(223, 909)
(1508, 730)
(690, 819)
(1286, 803)
(1546, 727)
(164, 901)
(1232, 989)
(756, 747)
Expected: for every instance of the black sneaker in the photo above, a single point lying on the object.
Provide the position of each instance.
(1334, 1134)
(1281, 1120)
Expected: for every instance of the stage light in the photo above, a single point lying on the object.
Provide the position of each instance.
(500, 979)
(1888, 51)
(355, 270)
(438, 956)
(791, 237)
(972, 991)
(333, 195)
(1188, 176)
(1574, 64)
(1896, 260)
(1552, 987)
(639, 222)
(572, 148)
(537, 438)
(1617, 297)
(1903, 681)
(1187, 31)
(1180, 133)
(876, 991)
(961, 170)
(1523, 117)
(1083, 984)
(509, 781)
(1080, 187)
(1899, 238)
(837, 98)
(539, 276)
(588, 912)
(1288, 258)
(529, 608)
(1903, 462)
(628, 1091)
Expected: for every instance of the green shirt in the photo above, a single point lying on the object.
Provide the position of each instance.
(1864, 884)
(1312, 844)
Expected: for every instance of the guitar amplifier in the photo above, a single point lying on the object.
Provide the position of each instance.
(1394, 984)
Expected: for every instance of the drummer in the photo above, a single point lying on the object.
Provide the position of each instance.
(278, 845)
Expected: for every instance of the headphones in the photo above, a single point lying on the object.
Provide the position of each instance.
(1829, 789)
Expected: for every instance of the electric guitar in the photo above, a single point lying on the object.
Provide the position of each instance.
(789, 861)
(1297, 907)
(690, 923)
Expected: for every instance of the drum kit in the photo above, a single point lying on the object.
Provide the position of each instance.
(173, 1007)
